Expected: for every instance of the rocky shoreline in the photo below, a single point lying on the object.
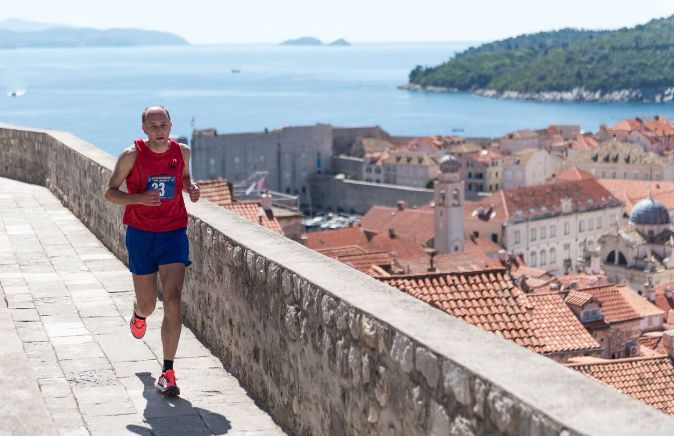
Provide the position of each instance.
(665, 95)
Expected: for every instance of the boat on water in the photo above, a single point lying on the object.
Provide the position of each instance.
(16, 92)
(235, 71)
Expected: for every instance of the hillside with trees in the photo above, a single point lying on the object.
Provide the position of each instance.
(630, 64)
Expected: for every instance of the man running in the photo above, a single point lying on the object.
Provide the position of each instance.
(156, 172)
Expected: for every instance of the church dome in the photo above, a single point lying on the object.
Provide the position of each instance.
(449, 164)
(649, 212)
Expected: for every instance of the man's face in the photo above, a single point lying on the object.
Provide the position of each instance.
(157, 126)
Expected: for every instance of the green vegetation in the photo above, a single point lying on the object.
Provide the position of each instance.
(639, 58)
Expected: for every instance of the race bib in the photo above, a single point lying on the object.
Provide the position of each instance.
(164, 184)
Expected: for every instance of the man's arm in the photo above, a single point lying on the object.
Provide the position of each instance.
(122, 169)
(188, 184)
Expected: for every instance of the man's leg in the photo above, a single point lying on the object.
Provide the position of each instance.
(172, 277)
(146, 294)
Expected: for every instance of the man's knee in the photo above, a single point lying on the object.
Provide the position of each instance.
(145, 308)
(172, 306)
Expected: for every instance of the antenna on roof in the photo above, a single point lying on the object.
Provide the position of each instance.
(650, 182)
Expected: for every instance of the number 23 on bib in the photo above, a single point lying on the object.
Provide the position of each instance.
(164, 184)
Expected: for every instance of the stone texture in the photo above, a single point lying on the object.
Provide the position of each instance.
(402, 351)
(427, 364)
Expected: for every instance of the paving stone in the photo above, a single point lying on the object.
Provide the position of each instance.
(115, 425)
(78, 351)
(106, 325)
(124, 347)
(31, 332)
(184, 425)
(20, 315)
(135, 368)
(89, 309)
(103, 400)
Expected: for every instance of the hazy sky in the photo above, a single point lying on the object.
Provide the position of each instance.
(240, 21)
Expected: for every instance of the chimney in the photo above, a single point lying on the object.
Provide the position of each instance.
(649, 291)
(595, 264)
(265, 200)
(668, 342)
(260, 214)
(668, 291)
(400, 204)
(431, 256)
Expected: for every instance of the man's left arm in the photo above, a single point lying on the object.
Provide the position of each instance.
(188, 184)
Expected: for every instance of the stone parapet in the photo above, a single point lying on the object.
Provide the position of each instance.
(325, 349)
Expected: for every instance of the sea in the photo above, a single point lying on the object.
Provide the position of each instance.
(99, 93)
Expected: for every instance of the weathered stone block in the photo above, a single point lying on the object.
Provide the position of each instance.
(427, 364)
(456, 382)
(382, 389)
(368, 331)
(480, 397)
(439, 420)
(328, 305)
(355, 364)
(402, 352)
(462, 426)
(501, 410)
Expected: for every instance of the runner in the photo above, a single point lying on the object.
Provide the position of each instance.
(156, 171)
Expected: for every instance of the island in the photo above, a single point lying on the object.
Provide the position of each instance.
(312, 41)
(25, 34)
(629, 64)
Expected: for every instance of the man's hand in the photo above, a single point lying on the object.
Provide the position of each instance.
(149, 198)
(194, 192)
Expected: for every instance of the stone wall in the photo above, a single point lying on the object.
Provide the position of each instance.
(329, 192)
(325, 358)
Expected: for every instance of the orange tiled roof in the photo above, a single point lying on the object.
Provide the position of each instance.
(647, 379)
(583, 141)
(347, 250)
(557, 327)
(573, 173)
(614, 306)
(364, 261)
(335, 238)
(578, 299)
(216, 190)
(661, 300)
(405, 248)
(416, 224)
(486, 299)
(632, 191)
(540, 200)
(253, 212)
(640, 304)
(652, 345)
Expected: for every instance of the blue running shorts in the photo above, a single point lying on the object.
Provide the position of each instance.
(148, 250)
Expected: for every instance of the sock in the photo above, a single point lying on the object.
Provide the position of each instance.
(142, 318)
(168, 364)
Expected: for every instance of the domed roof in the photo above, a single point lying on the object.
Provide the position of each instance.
(649, 212)
(449, 164)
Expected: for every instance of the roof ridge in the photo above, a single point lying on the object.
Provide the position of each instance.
(611, 361)
(452, 273)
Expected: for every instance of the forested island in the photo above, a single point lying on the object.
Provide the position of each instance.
(629, 64)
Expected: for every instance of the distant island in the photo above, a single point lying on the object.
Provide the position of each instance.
(311, 41)
(16, 33)
(629, 64)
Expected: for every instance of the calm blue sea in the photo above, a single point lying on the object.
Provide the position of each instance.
(99, 93)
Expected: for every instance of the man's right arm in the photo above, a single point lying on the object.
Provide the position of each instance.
(122, 169)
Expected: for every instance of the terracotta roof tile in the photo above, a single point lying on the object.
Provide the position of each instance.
(335, 238)
(647, 379)
(216, 190)
(347, 250)
(661, 299)
(364, 261)
(578, 299)
(640, 304)
(573, 173)
(557, 327)
(652, 344)
(416, 224)
(254, 212)
(474, 297)
(632, 191)
(614, 306)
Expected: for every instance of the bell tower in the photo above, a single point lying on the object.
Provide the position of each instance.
(449, 196)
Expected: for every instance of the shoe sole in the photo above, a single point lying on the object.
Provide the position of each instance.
(172, 391)
(133, 334)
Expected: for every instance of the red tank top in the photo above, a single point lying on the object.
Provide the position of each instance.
(161, 171)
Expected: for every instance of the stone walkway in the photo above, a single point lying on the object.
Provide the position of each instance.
(68, 363)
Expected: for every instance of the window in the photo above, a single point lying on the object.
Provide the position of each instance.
(590, 224)
(543, 232)
(567, 251)
(553, 255)
(532, 259)
(599, 222)
(368, 169)
(533, 235)
(516, 235)
(494, 238)
(553, 230)
(581, 225)
(566, 228)
(542, 257)
(236, 159)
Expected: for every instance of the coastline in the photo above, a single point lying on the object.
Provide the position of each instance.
(665, 95)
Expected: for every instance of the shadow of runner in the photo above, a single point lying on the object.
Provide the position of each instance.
(168, 415)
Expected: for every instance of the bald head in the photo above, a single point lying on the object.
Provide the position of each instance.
(153, 109)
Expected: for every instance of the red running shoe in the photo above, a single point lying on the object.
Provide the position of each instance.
(138, 327)
(166, 383)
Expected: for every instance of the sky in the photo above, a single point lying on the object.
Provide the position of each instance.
(272, 21)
